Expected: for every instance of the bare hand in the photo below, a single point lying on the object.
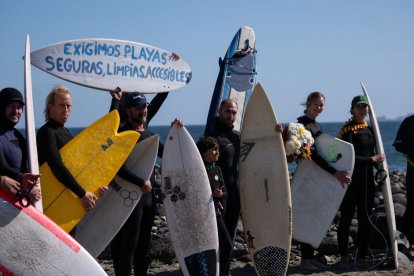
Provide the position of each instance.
(177, 121)
(174, 57)
(343, 177)
(102, 190)
(116, 93)
(378, 158)
(35, 193)
(9, 185)
(29, 180)
(147, 187)
(279, 128)
(218, 192)
(88, 201)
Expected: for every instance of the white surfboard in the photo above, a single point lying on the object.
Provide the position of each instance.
(316, 194)
(98, 227)
(32, 244)
(386, 185)
(264, 188)
(237, 76)
(106, 63)
(189, 206)
(33, 162)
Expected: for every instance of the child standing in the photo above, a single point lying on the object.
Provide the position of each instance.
(209, 150)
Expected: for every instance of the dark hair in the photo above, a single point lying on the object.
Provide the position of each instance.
(228, 101)
(206, 143)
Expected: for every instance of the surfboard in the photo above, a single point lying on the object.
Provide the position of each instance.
(97, 228)
(32, 244)
(316, 194)
(264, 188)
(93, 157)
(236, 77)
(106, 63)
(189, 206)
(386, 183)
(33, 162)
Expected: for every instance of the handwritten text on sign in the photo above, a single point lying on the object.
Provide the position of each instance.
(126, 60)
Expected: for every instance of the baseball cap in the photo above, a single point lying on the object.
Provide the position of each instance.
(136, 99)
(9, 95)
(359, 100)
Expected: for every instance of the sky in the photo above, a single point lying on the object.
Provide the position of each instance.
(302, 46)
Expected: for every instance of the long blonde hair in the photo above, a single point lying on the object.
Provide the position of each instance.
(50, 99)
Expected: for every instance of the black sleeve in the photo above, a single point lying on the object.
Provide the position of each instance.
(322, 162)
(47, 143)
(155, 105)
(403, 139)
(130, 176)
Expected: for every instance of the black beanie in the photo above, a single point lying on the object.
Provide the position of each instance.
(9, 95)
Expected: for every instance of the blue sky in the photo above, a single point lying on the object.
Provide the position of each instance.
(303, 46)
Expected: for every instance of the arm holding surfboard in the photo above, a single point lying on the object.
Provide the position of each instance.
(53, 135)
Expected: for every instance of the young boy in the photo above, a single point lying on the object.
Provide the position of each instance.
(209, 150)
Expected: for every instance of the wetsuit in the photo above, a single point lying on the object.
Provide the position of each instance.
(216, 180)
(360, 194)
(13, 154)
(404, 143)
(51, 137)
(307, 251)
(229, 142)
(131, 245)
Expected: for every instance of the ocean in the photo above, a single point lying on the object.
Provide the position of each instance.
(388, 131)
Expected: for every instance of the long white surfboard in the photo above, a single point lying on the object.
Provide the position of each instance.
(32, 244)
(386, 184)
(237, 76)
(316, 194)
(189, 206)
(97, 228)
(106, 63)
(33, 162)
(265, 188)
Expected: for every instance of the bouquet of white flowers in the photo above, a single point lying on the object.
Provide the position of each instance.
(298, 141)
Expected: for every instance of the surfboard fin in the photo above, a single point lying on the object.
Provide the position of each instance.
(402, 258)
(401, 238)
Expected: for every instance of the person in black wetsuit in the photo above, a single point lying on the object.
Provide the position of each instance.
(53, 135)
(229, 141)
(313, 107)
(404, 143)
(130, 247)
(209, 150)
(13, 147)
(361, 192)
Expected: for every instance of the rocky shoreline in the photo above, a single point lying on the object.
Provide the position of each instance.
(165, 263)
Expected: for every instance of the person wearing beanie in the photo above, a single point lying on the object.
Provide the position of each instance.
(209, 151)
(13, 147)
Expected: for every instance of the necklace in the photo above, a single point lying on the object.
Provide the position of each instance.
(353, 126)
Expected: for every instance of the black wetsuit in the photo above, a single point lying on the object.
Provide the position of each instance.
(13, 154)
(216, 180)
(360, 194)
(131, 245)
(51, 137)
(229, 141)
(404, 143)
(307, 251)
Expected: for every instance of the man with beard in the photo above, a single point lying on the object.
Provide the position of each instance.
(130, 247)
(13, 149)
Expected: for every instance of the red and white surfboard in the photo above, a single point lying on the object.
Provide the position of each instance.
(32, 244)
